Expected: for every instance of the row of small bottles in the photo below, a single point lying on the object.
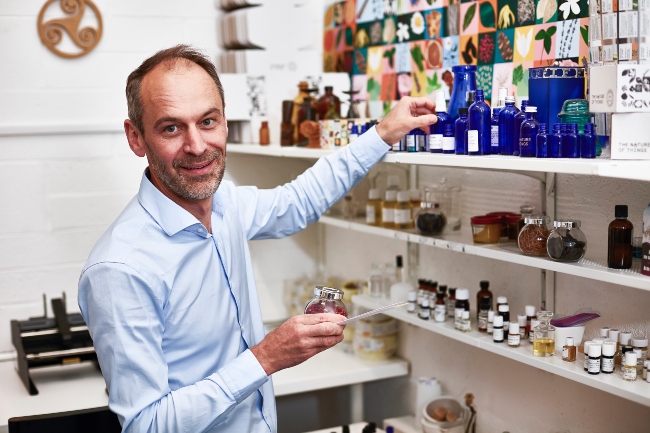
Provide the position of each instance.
(612, 348)
(508, 131)
(398, 208)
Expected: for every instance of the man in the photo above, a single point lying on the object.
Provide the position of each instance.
(168, 291)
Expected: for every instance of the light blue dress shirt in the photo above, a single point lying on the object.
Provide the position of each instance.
(173, 309)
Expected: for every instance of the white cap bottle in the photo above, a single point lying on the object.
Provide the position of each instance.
(374, 194)
(497, 333)
(609, 350)
(514, 339)
(441, 104)
(629, 366)
(593, 364)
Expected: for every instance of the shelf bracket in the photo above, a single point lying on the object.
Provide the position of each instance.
(549, 208)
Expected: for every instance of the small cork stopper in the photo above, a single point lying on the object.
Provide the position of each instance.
(439, 413)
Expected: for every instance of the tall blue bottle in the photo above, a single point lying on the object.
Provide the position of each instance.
(464, 81)
(519, 119)
(555, 142)
(588, 142)
(528, 134)
(448, 140)
(460, 128)
(494, 131)
(507, 126)
(570, 143)
(438, 128)
(542, 141)
(478, 143)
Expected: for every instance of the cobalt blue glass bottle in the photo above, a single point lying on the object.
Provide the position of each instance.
(528, 134)
(438, 128)
(563, 132)
(519, 119)
(588, 142)
(555, 142)
(542, 141)
(464, 80)
(460, 128)
(494, 131)
(448, 140)
(570, 144)
(507, 126)
(411, 141)
(478, 143)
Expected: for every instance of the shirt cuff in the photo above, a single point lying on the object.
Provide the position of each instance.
(243, 375)
(369, 148)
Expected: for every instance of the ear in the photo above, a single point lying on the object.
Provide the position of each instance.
(135, 139)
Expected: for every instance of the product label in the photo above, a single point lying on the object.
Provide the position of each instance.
(388, 215)
(372, 344)
(451, 307)
(606, 6)
(610, 26)
(482, 322)
(490, 327)
(410, 143)
(514, 339)
(565, 353)
(440, 313)
(594, 23)
(448, 143)
(465, 325)
(593, 365)
(522, 333)
(629, 373)
(397, 147)
(586, 363)
(644, 23)
(625, 5)
(497, 335)
(494, 136)
(472, 140)
(625, 52)
(421, 143)
(425, 313)
(458, 317)
(524, 141)
(402, 216)
(609, 53)
(435, 141)
(608, 365)
(370, 215)
(628, 24)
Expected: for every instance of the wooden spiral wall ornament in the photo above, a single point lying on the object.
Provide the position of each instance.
(52, 31)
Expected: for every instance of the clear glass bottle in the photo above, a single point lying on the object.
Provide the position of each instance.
(494, 130)
(528, 134)
(530, 316)
(373, 208)
(570, 144)
(566, 243)
(519, 119)
(542, 141)
(403, 212)
(507, 126)
(388, 209)
(465, 322)
(514, 338)
(326, 300)
(639, 343)
(533, 237)
(629, 367)
(544, 343)
(588, 142)
(460, 126)
(555, 142)
(451, 302)
(478, 132)
(619, 242)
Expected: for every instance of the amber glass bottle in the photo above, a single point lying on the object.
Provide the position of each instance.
(483, 293)
(619, 242)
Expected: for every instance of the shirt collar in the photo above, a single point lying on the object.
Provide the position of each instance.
(171, 217)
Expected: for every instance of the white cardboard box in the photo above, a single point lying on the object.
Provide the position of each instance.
(630, 137)
(623, 88)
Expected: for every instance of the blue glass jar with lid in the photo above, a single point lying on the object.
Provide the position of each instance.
(570, 144)
(555, 142)
(478, 143)
(460, 129)
(507, 126)
(519, 119)
(588, 142)
(494, 130)
(528, 134)
(542, 141)
(464, 80)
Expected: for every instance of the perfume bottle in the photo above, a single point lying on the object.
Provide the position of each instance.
(478, 132)
(507, 126)
(544, 343)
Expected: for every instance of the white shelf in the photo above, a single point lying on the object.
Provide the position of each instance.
(403, 424)
(604, 167)
(595, 269)
(638, 391)
(333, 368)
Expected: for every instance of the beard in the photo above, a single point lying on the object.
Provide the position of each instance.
(190, 188)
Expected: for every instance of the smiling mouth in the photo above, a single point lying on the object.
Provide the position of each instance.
(198, 166)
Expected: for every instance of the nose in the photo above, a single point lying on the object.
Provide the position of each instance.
(193, 142)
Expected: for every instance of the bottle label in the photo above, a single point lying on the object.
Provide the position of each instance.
(440, 313)
(490, 327)
(458, 317)
(450, 307)
(482, 322)
(410, 307)
(629, 373)
(388, 215)
(565, 353)
(531, 338)
(370, 215)
(410, 143)
(497, 334)
(472, 140)
(435, 141)
(402, 216)
(448, 143)
(425, 313)
(514, 339)
(524, 141)
(593, 366)
(465, 325)
(494, 136)
(506, 326)
(522, 333)
(608, 365)
(396, 147)
(586, 365)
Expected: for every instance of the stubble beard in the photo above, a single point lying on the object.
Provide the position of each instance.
(194, 188)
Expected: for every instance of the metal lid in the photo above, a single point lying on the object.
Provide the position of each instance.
(567, 224)
(328, 293)
(429, 205)
(535, 220)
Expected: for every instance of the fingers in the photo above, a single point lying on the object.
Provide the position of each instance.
(312, 319)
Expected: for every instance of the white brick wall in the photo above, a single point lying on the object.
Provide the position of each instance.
(59, 192)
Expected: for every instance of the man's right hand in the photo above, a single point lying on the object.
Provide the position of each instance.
(409, 113)
(297, 340)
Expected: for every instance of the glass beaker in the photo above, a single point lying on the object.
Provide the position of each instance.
(544, 343)
(448, 197)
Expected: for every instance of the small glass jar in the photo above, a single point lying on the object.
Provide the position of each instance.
(526, 211)
(429, 219)
(532, 238)
(544, 342)
(566, 243)
(486, 229)
(512, 222)
(326, 300)
(504, 224)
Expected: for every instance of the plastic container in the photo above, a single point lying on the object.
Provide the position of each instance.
(533, 237)
(504, 223)
(326, 300)
(486, 229)
(566, 243)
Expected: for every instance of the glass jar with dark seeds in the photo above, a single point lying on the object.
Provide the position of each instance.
(429, 220)
(566, 243)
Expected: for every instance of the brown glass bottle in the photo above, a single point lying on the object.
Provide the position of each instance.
(483, 293)
(264, 133)
(619, 240)
(328, 106)
(287, 127)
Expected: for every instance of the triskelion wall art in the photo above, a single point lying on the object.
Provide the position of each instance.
(394, 48)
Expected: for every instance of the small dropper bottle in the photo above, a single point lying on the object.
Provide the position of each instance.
(593, 365)
(497, 334)
(521, 319)
(373, 208)
(607, 364)
(531, 335)
(490, 322)
(514, 338)
(569, 350)
(629, 367)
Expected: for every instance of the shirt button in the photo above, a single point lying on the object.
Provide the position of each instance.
(200, 230)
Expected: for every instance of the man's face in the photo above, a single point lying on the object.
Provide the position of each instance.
(184, 131)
